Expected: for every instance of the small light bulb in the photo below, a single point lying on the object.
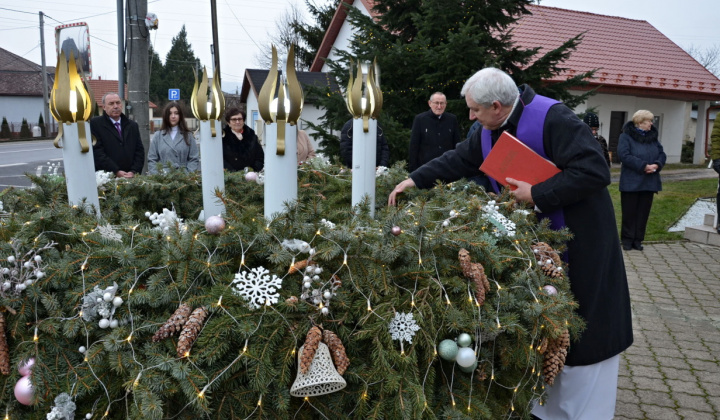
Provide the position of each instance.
(201, 394)
(219, 301)
(260, 401)
(129, 338)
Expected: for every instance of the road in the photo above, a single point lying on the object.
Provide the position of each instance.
(18, 158)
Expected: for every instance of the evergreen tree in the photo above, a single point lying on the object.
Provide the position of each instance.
(180, 64)
(41, 124)
(25, 130)
(5, 129)
(158, 90)
(435, 45)
(104, 345)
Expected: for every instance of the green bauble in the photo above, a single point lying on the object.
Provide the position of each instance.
(464, 340)
(470, 368)
(448, 350)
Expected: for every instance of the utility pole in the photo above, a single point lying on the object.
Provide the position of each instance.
(139, 71)
(43, 76)
(121, 49)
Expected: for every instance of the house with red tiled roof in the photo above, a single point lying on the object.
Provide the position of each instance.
(21, 88)
(637, 68)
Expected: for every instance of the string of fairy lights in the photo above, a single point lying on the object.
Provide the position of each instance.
(532, 376)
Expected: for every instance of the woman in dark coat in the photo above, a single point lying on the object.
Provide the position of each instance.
(241, 148)
(642, 158)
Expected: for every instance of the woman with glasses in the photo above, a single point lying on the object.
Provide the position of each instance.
(241, 148)
(642, 158)
(173, 146)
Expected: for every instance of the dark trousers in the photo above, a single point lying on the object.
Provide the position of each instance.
(635, 214)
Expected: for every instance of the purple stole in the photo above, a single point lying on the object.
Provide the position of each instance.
(530, 132)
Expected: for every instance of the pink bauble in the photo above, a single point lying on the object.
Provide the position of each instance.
(25, 368)
(550, 290)
(24, 391)
(396, 230)
(251, 176)
(214, 224)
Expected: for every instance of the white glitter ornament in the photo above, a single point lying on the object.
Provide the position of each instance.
(104, 323)
(37, 258)
(108, 297)
(465, 357)
(257, 287)
(117, 301)
(82, 349)
(403, 328)
(214, 225)
(114, 323)
(325, 311)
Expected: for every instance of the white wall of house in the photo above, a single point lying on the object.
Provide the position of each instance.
(673, 117)
(342, 42)
(15, 108)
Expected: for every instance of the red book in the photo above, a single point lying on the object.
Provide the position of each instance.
(511, 158)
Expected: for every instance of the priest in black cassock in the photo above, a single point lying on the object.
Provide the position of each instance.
(576, 198)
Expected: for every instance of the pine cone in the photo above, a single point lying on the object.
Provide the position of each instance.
(555, 356)
(190, 331)
(337, 351)
(299, 265)
(311, 345)
(174, 323)
(548, 260)
(476, 273)
(4, 350)
(336, 282)
(292, 300)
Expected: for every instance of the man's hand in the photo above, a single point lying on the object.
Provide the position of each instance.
(123, 174)
(522, 193)
(408, 183)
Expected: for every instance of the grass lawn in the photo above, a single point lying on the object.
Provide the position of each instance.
(669, 205)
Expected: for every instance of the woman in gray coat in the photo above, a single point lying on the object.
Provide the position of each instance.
(642, 158)
(173, 145)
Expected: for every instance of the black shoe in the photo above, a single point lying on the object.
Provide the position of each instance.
(637, 246)
(627, 247)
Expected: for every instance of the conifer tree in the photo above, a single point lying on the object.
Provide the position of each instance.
(180, 63)
(41, 124)
(5, 129)
(158, 90)
(426, 46)
(25, 130)
(87, 296)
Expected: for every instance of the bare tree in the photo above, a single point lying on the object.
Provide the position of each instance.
(284, 36)
(709, 57)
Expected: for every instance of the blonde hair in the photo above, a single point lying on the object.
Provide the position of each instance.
(642, 115)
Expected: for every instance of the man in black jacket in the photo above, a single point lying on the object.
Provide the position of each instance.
(576, 198)
(118, 148)
(382, 150)
(434, 132)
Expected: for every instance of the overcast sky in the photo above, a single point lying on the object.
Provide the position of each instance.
(244, 26)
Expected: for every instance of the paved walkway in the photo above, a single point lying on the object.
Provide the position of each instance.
(672, 371)
(675, 174)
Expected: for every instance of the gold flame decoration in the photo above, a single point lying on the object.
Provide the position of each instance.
(373, 95)
(70, 101)
(294, 92)
(199, 100)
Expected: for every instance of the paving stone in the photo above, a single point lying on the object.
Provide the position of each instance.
(655, 398)
(692, 388)
(628, 411)
(647, 371)
(655, 412)
(696, 415)
(695, 402)
(653, 384)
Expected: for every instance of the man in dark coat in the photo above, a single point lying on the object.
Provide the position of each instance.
(118, 147)
(434, 132)
(578, 198)
(382, 151)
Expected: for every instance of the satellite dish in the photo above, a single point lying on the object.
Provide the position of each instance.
(75, 38)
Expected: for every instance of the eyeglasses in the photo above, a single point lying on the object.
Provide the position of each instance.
(438, 103)
(238, 119)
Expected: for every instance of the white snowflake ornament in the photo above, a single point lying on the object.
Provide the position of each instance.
(257, 287)
(403, 328)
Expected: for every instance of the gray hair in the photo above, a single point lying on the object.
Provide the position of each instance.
(489, 85)
(436, 93)
(108, 94)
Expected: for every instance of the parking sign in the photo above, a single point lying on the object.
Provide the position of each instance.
(174, 94)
